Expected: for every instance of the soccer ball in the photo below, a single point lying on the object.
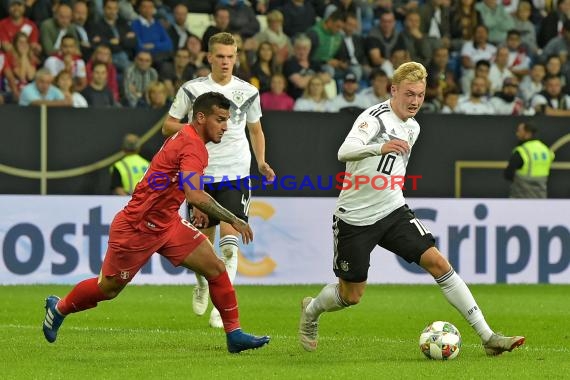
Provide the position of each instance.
(440, 341)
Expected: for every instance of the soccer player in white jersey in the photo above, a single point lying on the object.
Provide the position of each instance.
(380, 143)
(230, 160)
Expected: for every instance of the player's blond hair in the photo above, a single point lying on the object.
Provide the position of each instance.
(410, 71)
(222, 38)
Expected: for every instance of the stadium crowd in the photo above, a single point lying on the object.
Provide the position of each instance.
(496, 57)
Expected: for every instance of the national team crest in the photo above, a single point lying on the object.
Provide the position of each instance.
(237, 97)
(124, 275)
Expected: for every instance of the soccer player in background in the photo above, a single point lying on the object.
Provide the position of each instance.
(380, 143)
(151, 223)
(230, 160)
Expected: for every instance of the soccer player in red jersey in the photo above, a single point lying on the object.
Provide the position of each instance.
(151, 223)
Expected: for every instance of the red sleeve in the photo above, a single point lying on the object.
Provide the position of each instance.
(112, 81)
(3, 34)
(193, 157)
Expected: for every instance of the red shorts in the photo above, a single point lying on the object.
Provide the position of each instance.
(129, 249)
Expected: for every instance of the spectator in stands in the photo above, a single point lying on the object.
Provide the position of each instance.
(64, 82)
(476, 103)
(403, 7)
(138, 77)
(435, 23)
(379, 90)
(352, 52)
(440, 78)
(315, 98)
(450, 101)
(533, 83)
(198, 57)
(496, 19)
(507, 101)
(68, 59)
(399, 56)
(418, 45)
(156, 97)
(116, 33)
(464, 20)
(17, 23)
(500, 69)
(42, 92)
(326, 40)
(553, 66)
(97, 93)
(80, 15)
(127, 172)
(526, 28)
(276, 99)
(174, 74)
(177, 31)
(151, 35)
(102, 54)
(298, 17)
(551, 25)
(22, 61)
(274, 34)
(559, 45)
(382, 40)
(53, 29)
(551, 101)
(242, 18)
(221, 24)
(347, 7)
(482, 69)
(475, 50)
(299, 69)
(7, 76)
(349, 98)
(242, 68)
(264, 67)
(519, 61)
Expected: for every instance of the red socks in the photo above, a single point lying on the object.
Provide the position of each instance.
(224, 299)
(83, 296)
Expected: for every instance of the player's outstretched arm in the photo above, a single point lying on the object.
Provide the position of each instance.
(203, 201)
(171, 125)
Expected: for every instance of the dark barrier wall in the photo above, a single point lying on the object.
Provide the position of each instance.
(300, 145)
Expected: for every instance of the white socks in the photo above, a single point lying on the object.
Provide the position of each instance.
(229, 250)
(459, 295)
(327, 300)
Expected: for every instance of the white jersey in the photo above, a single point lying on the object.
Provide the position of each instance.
(361, 151)
(231, 158)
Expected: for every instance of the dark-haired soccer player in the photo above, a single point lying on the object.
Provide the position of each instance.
(380, 142)
(230, 161)
(150, 223)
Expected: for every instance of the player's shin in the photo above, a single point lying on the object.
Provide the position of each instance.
(85, 295)
(328, 300)
(224, 299)
(229, 249)
(459, 295)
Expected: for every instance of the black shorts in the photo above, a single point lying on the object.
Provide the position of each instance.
(399, 232)
(232, 195)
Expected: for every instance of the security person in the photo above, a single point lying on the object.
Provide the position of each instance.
(126, 173)
(529, 165)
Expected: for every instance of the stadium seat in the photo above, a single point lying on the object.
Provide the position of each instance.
(197, 23)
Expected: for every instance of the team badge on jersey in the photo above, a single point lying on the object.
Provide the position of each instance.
(125, 275)
(344, 266)
(237, 97)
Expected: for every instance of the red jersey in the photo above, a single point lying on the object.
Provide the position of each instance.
(8, 30)
(158, 196)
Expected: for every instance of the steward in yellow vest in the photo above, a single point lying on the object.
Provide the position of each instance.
(529, 165)
(126, 173)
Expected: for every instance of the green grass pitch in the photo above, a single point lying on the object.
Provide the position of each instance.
(150, 332)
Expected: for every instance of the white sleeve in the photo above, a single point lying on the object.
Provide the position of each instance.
(181, 105)
(254, 112)
(357, 145)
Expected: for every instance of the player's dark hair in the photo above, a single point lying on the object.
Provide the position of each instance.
(205, 103)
